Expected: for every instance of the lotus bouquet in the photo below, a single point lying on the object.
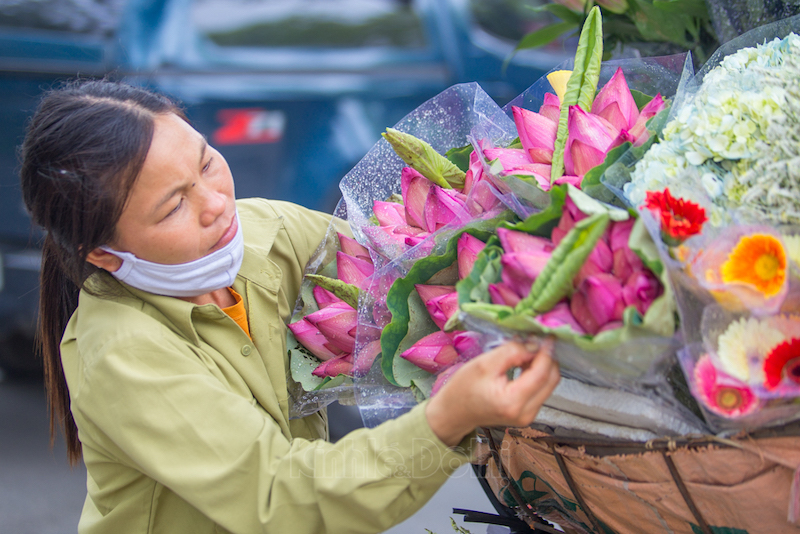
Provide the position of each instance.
(582, 271)
(576, 133)
(719, 193)
(397, 200)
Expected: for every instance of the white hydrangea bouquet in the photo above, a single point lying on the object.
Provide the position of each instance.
(721, 190)
(737, 138)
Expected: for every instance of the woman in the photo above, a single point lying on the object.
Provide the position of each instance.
(162, 325)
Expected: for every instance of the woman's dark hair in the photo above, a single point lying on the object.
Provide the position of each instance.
(83, 149)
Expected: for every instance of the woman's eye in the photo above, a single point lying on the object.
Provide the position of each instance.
(176, 208)
(207, 165)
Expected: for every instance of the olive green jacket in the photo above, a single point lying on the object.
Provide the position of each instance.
(184, 420)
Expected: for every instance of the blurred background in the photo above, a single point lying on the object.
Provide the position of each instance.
(292, 92)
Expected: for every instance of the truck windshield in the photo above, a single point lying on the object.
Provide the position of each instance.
(309, 23)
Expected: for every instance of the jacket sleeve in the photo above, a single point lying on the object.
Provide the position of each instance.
(150, 402)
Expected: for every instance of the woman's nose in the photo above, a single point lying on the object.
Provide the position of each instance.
(213, 205)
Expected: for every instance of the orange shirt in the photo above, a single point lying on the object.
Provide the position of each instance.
(237, 312)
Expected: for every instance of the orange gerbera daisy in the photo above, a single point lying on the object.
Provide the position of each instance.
(758, 260)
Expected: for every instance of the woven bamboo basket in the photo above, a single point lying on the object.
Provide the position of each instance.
(692, 484)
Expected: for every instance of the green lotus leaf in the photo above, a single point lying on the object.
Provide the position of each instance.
(459, 156)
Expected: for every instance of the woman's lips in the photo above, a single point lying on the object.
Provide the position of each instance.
(227, 236)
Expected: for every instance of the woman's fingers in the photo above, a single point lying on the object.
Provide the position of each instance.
(505, 357)
(526, 394)
(537, 400)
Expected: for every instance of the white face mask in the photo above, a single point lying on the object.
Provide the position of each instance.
(209, 273)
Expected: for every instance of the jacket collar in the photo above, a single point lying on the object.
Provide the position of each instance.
(259, 236)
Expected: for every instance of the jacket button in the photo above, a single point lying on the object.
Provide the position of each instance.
(246, 350)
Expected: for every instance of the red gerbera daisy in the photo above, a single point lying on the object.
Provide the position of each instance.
(680, 218)
(782, 361)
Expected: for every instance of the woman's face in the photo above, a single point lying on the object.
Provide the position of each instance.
(181, 207)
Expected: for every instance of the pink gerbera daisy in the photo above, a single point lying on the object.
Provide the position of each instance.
(721, 393)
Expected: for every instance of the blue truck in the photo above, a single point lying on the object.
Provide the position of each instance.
(292, 92)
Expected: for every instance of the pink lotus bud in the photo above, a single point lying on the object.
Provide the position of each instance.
(467, 249)
(474, 173)
(353, 270)
(341, 365)
(536, 132)
(442, 308)
(551, 108)
(444, 376)
(574, 212)
(619, 233)
(323, 297)
(483, 198)
(389, 213)
(382, 237)
(430, 292)
(626, 262)
(407, 230)
(445, 206)
(569, 179)
(432, 353)
(310, 337)
(351, 247)
(509, 158)
(441, 302)
(415, 188)
(515, 241)
(597, 301)
(560, 316)
(590, 138)
(565, 224)
(365, 356)
(337, 322)
(426, 245)
(381, 314)
(537, 171)
(502, 294)
(600, 260)
(467, 344)
(520, 269)
(641, 289)
(638, 131)
(615, 103)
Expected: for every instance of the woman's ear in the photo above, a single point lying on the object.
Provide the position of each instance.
(104, 260)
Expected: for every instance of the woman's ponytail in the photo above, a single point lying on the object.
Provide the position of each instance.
(58, 299)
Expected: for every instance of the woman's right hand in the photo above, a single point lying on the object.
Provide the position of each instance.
(480, 393)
